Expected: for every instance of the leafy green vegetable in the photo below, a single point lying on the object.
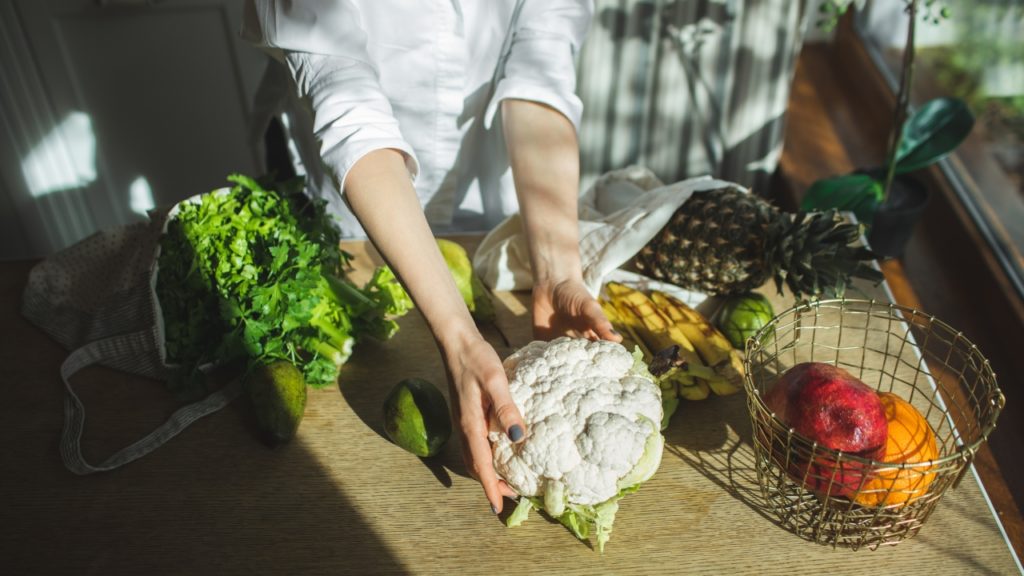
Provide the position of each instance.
(521, 513)
(250, 273)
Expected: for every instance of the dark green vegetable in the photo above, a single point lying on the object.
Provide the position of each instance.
(277, 394)
(742, 315)
(250, 273)
(416, 417)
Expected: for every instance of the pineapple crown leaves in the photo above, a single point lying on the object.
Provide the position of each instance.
(814, 253)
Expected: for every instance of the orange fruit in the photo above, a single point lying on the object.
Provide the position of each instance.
(910, 440)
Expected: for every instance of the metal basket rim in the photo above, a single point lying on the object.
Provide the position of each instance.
(965, 450)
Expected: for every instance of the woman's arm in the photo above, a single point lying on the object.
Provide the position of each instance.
(381, 195)
(544, 154)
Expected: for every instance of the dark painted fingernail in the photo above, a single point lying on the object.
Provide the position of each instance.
(515, 432)
(494, 510)
(614, 331)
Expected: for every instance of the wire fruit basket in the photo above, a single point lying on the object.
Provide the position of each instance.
(851, 500)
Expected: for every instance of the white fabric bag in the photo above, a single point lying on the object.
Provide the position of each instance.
(97, 298)
(619, 215)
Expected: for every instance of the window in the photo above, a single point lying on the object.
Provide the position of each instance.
(976, 54)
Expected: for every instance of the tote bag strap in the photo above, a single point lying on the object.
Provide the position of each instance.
(123, 352)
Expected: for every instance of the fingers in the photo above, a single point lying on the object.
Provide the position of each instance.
(600, 325)
(480, 462)
(507, 490)
(505, 409)
(506, 412)
(483, 400)
(568, 309)
(481, 465)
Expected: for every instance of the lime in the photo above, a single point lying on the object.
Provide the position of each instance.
(742, 316)
(416, 417)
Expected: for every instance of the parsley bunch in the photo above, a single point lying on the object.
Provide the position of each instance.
(250, 273)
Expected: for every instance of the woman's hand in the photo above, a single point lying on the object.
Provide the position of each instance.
(479, 392)
(566, 308)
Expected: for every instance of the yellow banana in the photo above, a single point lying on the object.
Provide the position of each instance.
(658, 325)
(629, 337)
(617, 290)
(711, 344)
(658, 332)
(679, 384)
(690, 388)
(651, 323)
(631, 326)
(727, 386)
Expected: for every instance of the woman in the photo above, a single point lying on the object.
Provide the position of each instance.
(424, 113)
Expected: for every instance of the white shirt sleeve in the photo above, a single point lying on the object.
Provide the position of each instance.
(324, 47)
(351, 115)
(541, 64)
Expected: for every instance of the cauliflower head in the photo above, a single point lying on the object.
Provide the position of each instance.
(593, 412)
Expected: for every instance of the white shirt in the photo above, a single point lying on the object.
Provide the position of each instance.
(417, 76)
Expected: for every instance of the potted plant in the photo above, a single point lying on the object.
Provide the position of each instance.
(886, 199)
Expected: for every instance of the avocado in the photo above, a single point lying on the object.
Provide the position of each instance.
(277, 394)
(416, 417)
(483, 308)
(472, 289)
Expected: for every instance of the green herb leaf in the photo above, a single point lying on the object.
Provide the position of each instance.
(251, 273)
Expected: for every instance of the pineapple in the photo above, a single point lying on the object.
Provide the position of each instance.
(727, 241)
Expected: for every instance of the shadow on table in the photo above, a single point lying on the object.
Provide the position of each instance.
(714, 436)
(211, 501)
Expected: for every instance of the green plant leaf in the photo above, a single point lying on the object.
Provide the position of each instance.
(931, 132)
(857, 193)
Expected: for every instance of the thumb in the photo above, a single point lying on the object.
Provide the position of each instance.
(505, 411)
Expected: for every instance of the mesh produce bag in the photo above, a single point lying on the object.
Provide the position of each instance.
(97, 298)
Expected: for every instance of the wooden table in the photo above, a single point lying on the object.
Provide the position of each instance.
(342, 499)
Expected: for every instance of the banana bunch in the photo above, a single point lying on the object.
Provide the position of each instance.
(706, 362)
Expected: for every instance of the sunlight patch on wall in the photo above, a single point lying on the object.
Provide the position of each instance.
(65, 159)
(140, 196)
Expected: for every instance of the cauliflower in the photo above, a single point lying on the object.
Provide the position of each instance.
(593, 412)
